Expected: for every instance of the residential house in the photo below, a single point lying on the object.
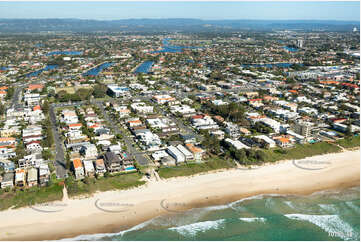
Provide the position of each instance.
(219, 134)
(6, 141)
(89, 151)
(89, 168)
(32, 177)
(10, 131)
(116, 149)
(123, 111)
(7, 165)
(34, 147)
(69, 117)
(188, 138)
(20, 175)
(196, 151)
(31, 99)
(283, 141)
(32, 160)
(100, 166)
(162, 99)
(8, 180)
(158, 155)
(244, 131)
(112, 162)
(141, 107)
(78, 169)
(232, 129)
(44, 174)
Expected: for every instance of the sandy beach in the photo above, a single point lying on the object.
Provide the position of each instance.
(114, 211)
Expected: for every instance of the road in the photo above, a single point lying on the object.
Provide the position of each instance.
(16, 97)
(139, 156)
(60, 163)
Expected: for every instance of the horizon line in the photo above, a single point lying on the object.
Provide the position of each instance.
(337, 20)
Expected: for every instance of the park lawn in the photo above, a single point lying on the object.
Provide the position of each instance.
(349, 142)
(300, 151)
(189, 169)
(89, 186)
(18, 198)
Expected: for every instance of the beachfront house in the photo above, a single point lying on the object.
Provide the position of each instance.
(32, 177)
(89, 168)
(20, 177)
(196, 151)
(44, 174)
(112, 162)
(100, 167)
(78, 169)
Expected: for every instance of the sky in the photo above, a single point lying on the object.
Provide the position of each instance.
(297, 10)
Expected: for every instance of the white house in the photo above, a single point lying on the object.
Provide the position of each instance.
(89, 167)
(89, 151)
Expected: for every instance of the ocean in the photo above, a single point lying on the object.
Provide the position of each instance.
(327, 215)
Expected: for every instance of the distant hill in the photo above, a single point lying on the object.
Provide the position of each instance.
(169, 25)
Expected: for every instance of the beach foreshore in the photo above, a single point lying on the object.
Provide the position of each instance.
(114, 211)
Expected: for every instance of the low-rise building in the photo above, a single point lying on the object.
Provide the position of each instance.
(20, 177)
(100, 166)
(196, 151)
(8, 180)
(162, 99)
(78, 169)
(89, 151)
(187, 154)
(32, 177)
(89, 168)
(176, 154)
(112, 162)
(44, 174)
(237, 144)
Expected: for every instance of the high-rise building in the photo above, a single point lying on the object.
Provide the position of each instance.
(354, 29)
(303, 128)
(300, 43)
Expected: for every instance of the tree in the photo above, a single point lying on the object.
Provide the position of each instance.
(99, 91)
(62, 96)
(240, 155)
(47, 155)
(84, 93)
(2, 109)
(10, 93)
(45, 107)
(260, 155)
(348, 130)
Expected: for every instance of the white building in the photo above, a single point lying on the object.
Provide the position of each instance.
(176, 154)
(187, 154)
(117, 91)
(89, 151)
(237, 144)
(267, 139)
(141, 107)
(89, 167)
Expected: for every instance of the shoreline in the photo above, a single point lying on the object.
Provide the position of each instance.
(114, 211)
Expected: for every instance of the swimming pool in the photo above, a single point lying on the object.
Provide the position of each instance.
(130, 168)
